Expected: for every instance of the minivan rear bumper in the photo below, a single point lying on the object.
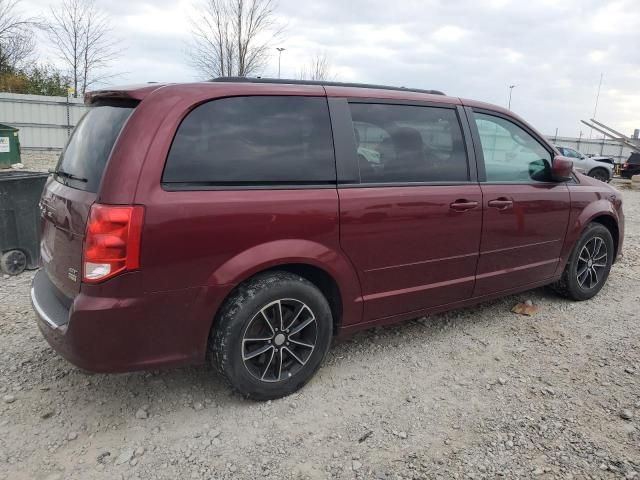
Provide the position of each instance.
(108, 334)
(48, 307)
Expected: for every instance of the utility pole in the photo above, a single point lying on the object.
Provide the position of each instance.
(579, 140)
(595, 108)
(280, 50)
(511, 87)
(70, 91)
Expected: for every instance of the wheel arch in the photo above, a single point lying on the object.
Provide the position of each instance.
(610, 223)
(323, 281)
(327, 268)
(600, 211)
(316, 275)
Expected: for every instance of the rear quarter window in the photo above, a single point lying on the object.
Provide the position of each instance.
(266, 140)
(85, 156)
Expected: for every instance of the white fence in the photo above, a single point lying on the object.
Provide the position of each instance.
(44, 122)
(600, 146)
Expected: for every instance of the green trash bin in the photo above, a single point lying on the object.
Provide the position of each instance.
(9, 146)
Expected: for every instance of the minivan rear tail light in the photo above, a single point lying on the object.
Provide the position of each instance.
(112, 241)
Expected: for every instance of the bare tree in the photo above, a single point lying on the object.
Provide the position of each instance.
(232, 37)
(84, 40)
(319, 68)
(16, 36)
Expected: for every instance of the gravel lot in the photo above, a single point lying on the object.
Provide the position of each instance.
(475, 393)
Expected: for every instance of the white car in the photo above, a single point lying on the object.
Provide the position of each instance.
(596, 167)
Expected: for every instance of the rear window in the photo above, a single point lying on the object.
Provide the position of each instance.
(265, 140)
(83, 160)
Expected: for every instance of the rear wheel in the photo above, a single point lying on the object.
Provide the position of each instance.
(600, 174)
(271, 335)
(13, 262)
(588, 267)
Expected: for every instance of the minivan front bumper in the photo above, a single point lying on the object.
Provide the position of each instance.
(114, 334)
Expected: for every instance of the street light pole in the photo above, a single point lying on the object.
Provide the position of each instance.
(280, 50)
(511, 87)
(595, 108)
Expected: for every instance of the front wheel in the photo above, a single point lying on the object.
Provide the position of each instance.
(271, 335)
(588, 267)
(600, 174)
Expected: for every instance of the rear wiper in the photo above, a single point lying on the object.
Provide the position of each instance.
(62, 173)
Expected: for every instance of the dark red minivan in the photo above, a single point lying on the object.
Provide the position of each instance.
(248, 221)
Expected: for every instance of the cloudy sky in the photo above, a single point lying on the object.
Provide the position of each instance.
(552, 50)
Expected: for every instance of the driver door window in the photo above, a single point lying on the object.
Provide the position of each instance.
(570, 153)
(510, 153)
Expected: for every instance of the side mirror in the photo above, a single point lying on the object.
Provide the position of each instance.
(561, 169)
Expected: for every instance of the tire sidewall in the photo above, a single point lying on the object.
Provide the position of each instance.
(602, 172)
(234, 321)
(593, 230)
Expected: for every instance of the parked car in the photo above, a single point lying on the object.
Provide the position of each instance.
(631, 166)
(600, 158)
(571, 153)
(236, 222)
(596, 167)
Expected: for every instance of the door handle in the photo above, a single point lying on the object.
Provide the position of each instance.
(501, 203)
(463, 205)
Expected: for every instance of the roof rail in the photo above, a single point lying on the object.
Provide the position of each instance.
(321, 83)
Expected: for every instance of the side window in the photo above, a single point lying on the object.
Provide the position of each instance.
(569, 152)
(510, 153)
(262, 140)
(402, 143)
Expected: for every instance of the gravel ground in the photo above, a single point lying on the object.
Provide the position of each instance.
(475, 393)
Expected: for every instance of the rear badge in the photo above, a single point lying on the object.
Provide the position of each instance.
(73, 274)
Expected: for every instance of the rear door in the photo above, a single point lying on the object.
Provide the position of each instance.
(72, 189)
(410, 220)
(525, 213)
(245, 176)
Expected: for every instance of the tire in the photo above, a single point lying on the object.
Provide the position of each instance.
(581, 286)
(600, 174)
(278, 360)
(13, 262)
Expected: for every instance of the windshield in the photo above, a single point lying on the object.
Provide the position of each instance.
(83, 160)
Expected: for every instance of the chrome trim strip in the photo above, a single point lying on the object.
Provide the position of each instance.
(41, 312)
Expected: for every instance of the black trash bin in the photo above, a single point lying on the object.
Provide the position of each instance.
(20, 220)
